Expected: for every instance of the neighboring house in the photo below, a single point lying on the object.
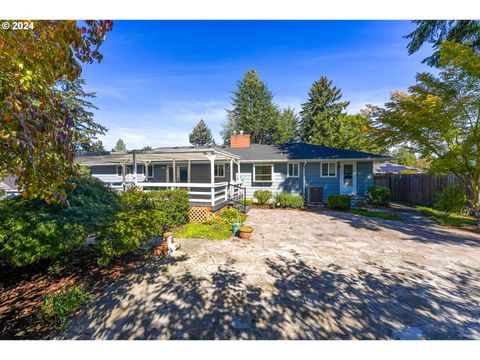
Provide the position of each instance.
(8, 186)
(388, 168)
(214, 175)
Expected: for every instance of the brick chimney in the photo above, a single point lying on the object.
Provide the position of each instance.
(239, 140)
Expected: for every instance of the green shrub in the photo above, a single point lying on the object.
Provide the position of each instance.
(31, 230)
(127, 231)
(287, 200)
(452, 200)
(341, 202)
(232, 215)
(263, 196)
(247, 202)
(408, 172)
(57, 307)
(173, 203)
(378, 195)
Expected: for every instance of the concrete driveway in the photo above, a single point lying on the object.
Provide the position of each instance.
(303, 275)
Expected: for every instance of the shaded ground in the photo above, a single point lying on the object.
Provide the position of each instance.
(303, 275)
(22, 290)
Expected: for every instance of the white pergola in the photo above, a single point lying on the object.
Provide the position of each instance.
(170, 155)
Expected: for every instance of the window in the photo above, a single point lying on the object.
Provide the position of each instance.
(328, 169)
(119, 170)
(262, 173)
(293, 169)
(219, 170)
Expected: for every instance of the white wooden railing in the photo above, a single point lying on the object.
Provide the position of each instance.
(198, 192)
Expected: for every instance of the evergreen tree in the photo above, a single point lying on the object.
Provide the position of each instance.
(96, 146)
(76, 100)
(228, 128)
(320, 114)
(434, 32)
(253, 111)
(147, 148)
(120, 146)
(287, 126)
(201, 135)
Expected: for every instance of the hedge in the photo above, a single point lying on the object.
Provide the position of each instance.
(340, 202)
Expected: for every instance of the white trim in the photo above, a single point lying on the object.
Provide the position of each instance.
(215, 170)
(328, 169)
(298, 169)
(254, 180)
(354, 178)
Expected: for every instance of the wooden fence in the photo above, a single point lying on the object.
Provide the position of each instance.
(420, 189)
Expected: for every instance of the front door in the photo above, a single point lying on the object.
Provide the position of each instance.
(181, 173)
(348, 178)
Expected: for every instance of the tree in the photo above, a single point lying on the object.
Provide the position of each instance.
(147, 148)
(439, 117)
(120, 146)
(96, 146)
(38, 134)
(201, 135)
(75, 99)
(351, 134)
(434, 32)
(253, 111)
(404, 156)
(319, 116)
(287, 126)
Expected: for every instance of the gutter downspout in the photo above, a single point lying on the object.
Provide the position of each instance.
(304, 185)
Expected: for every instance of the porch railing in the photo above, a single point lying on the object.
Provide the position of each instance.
(199, 193)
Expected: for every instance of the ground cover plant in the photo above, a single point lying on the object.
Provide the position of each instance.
(380, 215)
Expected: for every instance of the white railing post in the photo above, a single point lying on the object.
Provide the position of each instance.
(212, 178)
(134, 168)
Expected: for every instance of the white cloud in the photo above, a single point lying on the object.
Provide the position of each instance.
(168, 123)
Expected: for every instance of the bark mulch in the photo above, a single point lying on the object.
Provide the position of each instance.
(23, 290)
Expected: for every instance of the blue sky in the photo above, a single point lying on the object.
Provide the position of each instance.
(158, 78)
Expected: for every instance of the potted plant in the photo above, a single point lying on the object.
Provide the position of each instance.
(245, 232)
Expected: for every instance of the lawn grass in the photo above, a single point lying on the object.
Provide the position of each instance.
(381, 215)
(445, 219)
(204, 231)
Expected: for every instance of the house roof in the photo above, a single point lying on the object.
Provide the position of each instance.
(256, 152)
(180, 153)
(299, 151)
(8, 183)
(395, 168)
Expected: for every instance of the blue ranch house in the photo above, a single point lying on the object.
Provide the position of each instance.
(215, 176)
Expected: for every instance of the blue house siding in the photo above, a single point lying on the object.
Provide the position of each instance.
(104, 170)
(331, 185)
(280, 180)
(364, 176)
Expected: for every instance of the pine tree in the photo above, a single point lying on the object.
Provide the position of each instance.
(120, 146)
(253, 111)
(287, 126)
(76, 100)
(320, 114)
(201, 135)
(96, 146)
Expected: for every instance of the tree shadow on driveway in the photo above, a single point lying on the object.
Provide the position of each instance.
(415, 226)
(165, 300)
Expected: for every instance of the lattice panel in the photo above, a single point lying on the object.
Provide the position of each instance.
(199, 213)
